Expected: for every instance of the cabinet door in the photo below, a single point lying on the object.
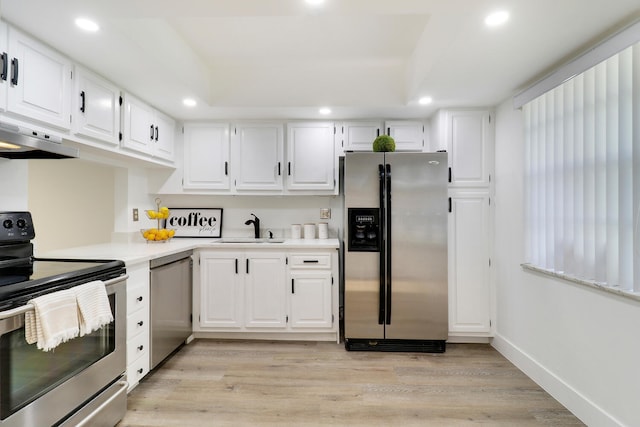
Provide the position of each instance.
(206, 157)
(469, 136)
(96, 109)
(164, 136)
(408, 135)
(257, 156)
(359, 136)
(40, 81)
(469, 252)
(265, 291)
(5, 63)
(139, 131)
(221, 296)
(310, 299)
(311, 160)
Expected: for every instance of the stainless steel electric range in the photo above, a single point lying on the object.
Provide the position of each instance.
(81, 382)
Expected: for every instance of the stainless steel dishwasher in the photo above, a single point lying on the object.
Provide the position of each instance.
(171, 302)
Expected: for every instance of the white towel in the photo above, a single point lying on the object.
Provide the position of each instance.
(94, 310)
(53, 321)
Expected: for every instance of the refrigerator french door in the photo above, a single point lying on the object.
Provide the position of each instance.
(396, 210)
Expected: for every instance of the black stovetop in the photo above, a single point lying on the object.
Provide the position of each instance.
(44, 275)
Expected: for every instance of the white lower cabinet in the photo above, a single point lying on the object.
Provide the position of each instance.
(310, 299)
(470, 297)
(242, 289)
(137, 323)
(268, 293)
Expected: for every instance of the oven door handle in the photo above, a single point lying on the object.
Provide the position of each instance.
(85, 422)
(7, 314)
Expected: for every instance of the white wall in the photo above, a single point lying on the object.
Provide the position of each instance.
(276, 213)
(14, 185)
(71, 201)
(581, 345)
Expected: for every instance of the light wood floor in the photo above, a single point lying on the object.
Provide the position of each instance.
(254, 383)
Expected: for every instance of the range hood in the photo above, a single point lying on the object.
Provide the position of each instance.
(21, 143)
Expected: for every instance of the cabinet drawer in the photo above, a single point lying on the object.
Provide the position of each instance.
(310, 261)
(137, 347)
(137, 298)
(137, 323)
(137, 370)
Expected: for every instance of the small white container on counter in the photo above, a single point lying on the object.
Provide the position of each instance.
(323, 230)
(309, 231)
(296, 231)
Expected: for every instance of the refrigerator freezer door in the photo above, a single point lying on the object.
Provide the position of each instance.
(418, 246)
(362, 269)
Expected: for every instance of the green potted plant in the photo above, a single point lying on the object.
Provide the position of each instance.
(384, 143)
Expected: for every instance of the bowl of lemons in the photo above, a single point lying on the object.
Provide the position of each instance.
(158, 234)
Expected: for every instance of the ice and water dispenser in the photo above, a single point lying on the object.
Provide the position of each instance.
(364, 230)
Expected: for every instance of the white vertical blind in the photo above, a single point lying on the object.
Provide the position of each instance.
(582, 171)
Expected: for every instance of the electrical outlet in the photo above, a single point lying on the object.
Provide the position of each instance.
(325, 213)
(135, 214)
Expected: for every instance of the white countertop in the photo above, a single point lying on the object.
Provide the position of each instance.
(135, 252)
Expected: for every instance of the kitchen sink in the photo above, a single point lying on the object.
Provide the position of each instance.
(247, 240)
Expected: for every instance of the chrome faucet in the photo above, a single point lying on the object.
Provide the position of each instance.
(256, 225)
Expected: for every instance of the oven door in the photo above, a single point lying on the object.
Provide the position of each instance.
(40, 388)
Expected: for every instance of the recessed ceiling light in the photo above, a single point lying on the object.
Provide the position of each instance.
(314, 2)
(87, 24)
(324, 111)
(189, 102)
(425, 100)
(496, 18)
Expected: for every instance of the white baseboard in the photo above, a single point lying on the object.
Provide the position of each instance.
(587, 411)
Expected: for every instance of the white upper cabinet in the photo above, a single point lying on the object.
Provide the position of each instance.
(95, 107)
(165, 128)
(37, 80)
(408, 135)
(206, 157)
(257, 156)
(359, 136)
(311, 160)
(467, 135)
(146, 130)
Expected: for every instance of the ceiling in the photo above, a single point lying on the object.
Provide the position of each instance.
(277, 59)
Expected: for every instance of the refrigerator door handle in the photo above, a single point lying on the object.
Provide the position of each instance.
(382, 263)
(388, 243)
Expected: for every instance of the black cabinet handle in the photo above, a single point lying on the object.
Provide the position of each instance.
(293, 288)
(140, 323)
(5, 66)
(310, 261)
(247, 265)
(236, 265)
(226, 168)
(15, 72)
(82, 106)
(449, 174)
(140, 370)
(389, 131)
(140, 347)
(157, 133)
(377, 132)
(139, 299)
(289, 167)
(152, 133)
(279, 172)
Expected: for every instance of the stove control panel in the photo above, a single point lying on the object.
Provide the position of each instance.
(16, 227)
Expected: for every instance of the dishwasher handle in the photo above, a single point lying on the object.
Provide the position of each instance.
(169, 259)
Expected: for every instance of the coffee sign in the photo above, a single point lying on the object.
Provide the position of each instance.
(195, 222)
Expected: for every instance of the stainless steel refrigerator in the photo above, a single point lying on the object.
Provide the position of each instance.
(395, 259)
